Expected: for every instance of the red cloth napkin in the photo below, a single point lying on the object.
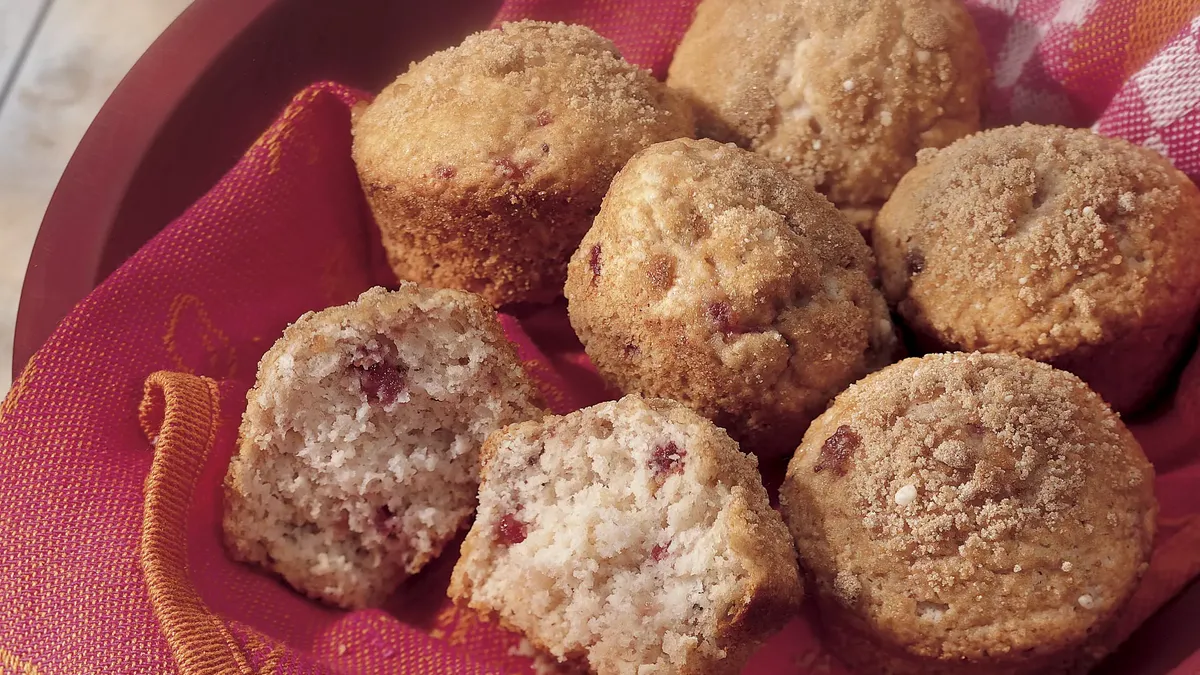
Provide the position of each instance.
(114, 439)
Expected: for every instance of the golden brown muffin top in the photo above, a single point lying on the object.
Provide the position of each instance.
(734, 224)
(528, 103)
(714, 260)
(725, 241)
(844, 92)
(1038, 239)
(972, 506)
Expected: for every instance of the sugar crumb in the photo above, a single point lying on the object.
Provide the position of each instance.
(847, 586)
(906, 495)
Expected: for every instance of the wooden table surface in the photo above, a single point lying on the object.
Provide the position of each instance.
(59, 61)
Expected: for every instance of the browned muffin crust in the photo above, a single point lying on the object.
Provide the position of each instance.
(970, 513)
(485, 163)
(843, 92)
(714, 277)
(1053, 243)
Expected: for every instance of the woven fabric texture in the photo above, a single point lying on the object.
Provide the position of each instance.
(114, 438)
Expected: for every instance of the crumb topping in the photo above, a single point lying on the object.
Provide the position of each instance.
(843, 94)
(536, 96)
(752, 291)
(996, 488)
(1038, 240)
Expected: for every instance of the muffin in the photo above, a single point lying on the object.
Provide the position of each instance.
(631, 537)
(713, 277)
(485, 163)
(1052, 243)
(842, 93)
(970, 514)
(358, 454)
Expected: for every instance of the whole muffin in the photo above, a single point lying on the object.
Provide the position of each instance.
(631, 537)
(970, 513)
(714, 277)
(358, 453)
(1053, 243)
(485, 163)
(844, 93)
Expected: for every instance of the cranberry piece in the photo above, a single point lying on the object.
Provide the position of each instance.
(543, 118)
(915, 260)
(384, 514)
(511, 169)
(668, 459)
(385, 519)
(837, 449)
(381, 383)
(594, 262)
(509, 530)
(722, 318)
(444, 172)
(659, 551)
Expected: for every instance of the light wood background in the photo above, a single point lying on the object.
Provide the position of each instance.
(59, 61)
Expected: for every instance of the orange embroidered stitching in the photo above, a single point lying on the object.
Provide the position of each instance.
(281, 131)
(215, 342)
(12, 662)
(200, 642)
